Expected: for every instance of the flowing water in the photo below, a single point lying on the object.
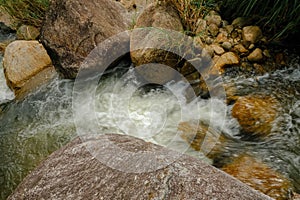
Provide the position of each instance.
(33, 128)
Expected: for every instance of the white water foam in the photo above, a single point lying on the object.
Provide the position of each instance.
(5, 93)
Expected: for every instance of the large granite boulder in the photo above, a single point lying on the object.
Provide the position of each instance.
(150, 46)
(72, 29)
(26, 65)
(73, 173)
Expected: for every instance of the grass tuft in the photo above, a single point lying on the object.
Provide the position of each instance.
(29, 12)
(192, 10)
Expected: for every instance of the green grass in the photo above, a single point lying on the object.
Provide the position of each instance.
(191, 10)
(279, 18)
(30, 12)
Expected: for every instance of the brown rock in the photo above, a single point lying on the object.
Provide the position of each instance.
(22, 61)
(73, 28)
(251, 46)
(296, 196)
(221, 37)
(256, 55)
(217, 49)
(163, 16)
(135, 6)
(226, 59)
(240, 49)
(72, 172)
(256, 114)
(201, 26)
(214, 19)
(213, 29)
(209, 40)
(252, 34)
(229, 28)
(267, 53)
(203, 138)
(160, 15)
(259, 176)
(26, 32)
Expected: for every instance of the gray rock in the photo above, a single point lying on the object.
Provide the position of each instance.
(72, 173)
(72, 29)
(227, 45)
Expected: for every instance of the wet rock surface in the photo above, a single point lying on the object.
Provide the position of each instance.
(256, 114)
(72, 172)
(259, 176)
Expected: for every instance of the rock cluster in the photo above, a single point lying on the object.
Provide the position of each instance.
(234, 45)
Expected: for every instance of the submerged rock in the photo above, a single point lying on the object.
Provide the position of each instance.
(26, 65)
(256, 114)
(202, 137)
(72, 172)
(259, 176)
(72, 29)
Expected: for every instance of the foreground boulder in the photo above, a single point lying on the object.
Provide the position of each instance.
(26, 65)
(73, 28)
(72, 173)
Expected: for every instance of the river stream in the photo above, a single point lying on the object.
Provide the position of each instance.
(32, 128)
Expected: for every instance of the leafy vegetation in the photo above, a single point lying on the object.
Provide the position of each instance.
(30, 12)
(279, 18)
